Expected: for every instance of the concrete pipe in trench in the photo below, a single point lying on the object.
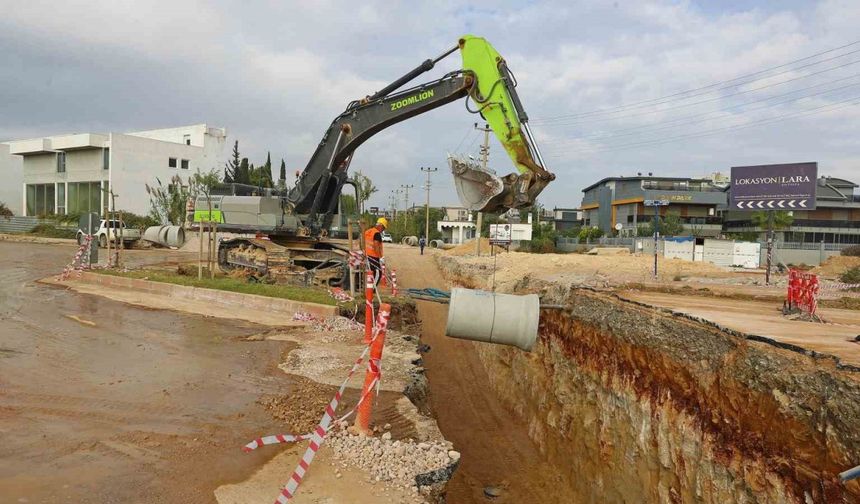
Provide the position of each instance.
(504, 319)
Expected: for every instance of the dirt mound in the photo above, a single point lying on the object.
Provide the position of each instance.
(836, 265)
(468, 248)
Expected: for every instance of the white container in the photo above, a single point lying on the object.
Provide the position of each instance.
(503, 319)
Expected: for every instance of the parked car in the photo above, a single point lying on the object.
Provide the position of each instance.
(109, 230)
(386, 237)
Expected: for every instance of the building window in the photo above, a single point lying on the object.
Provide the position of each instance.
(61, 162)
(61, 198)
(106, 159)
(171, 162)
(84, 197)
(629, 219)
(186, 139)
(184, 164)
(40, 199)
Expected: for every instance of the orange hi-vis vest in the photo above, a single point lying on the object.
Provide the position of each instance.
(372, 248)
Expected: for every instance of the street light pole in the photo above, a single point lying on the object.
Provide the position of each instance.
(428, 171)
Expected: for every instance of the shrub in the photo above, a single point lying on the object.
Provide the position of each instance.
(4, 210)
(853, 251)
(52, 231)
(851, 276)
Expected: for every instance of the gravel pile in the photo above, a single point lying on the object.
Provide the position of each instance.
(403, 464)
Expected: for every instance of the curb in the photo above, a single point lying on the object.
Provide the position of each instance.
(226, 299)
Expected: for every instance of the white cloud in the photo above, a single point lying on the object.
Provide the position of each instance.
(276, 75)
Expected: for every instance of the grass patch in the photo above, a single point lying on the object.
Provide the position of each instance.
(295, 293)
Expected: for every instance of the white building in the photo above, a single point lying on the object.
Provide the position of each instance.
(11, 169)
(71, 173)
(457, 227)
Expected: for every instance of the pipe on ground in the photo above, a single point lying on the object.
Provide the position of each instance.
(503, 319)
(166, 236)
(412, 241)
(436, 243)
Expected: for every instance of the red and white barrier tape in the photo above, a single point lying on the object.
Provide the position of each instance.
(838, 286)
(356, 257)
(318, 435)
(340, 295)
(80, 261)
(393, 282)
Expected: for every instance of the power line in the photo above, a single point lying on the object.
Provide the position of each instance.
(716, 84)
(842, 104)
(651, 128)
(721, 97)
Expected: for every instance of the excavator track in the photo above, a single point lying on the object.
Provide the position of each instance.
(292, 262)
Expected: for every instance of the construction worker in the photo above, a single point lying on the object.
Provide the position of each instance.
(373, 248)
(421, 244)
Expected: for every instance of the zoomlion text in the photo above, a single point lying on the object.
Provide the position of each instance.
(412, 99)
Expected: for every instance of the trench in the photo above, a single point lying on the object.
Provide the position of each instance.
(634, 405)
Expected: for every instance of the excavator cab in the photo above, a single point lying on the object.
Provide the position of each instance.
(495, 96)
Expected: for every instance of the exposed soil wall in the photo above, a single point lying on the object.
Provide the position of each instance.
(641, 406)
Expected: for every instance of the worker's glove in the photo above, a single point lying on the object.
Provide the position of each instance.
(382, 261)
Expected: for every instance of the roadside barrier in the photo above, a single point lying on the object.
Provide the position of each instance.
(802, 291)
(356, 257)
(80, 262)
(317, 437)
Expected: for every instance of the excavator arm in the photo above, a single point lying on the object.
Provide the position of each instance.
(486, 80)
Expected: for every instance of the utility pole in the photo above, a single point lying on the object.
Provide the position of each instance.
(428, 171)
(485, 157)
(406, 188)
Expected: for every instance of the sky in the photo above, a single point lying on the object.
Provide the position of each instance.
(606, 84)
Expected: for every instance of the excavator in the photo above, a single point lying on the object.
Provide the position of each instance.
(295, 223)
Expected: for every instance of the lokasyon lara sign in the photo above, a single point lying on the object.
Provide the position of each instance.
(774, 187)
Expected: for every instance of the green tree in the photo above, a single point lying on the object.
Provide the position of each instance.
(365, 189)
(543, 238)
(282, 179)
(590, 233)
(242, 175)
(231, 167)
(167, 202)
(348, 205)
(781, 219)
(670, 225)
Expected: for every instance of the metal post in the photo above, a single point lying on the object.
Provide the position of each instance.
(351, 269)
(485, 157)
(427, 170)
(769, 246)
(656, 234)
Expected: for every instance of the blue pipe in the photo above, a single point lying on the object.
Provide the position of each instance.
(850, 474)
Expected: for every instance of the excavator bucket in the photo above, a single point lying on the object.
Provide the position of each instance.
(496, 99)
(475, 186)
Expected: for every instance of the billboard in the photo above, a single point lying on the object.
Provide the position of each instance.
(774, 187)
(500, 233)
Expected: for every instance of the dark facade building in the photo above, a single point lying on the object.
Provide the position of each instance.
(621, 200)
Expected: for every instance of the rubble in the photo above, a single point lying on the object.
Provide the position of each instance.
(421, 467)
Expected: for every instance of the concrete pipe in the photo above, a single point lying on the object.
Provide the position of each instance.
(412, 241)
(437, 243)
(166, 236)
(503, 319)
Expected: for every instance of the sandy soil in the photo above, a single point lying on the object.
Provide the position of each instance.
(495, 446)
(766, 319)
